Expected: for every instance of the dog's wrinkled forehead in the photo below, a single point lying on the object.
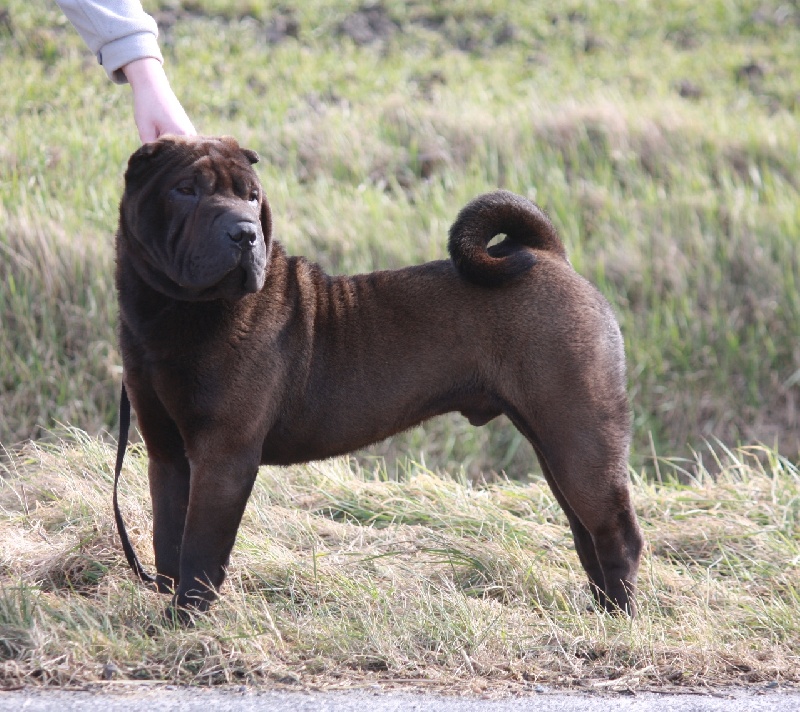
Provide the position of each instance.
(220, 163)
(216, 173)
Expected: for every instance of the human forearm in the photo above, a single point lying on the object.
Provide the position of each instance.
(156, 109)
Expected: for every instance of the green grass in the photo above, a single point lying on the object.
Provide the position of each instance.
(343, 575)
(663, 141)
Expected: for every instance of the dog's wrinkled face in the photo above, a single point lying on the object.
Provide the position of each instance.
(195, 218)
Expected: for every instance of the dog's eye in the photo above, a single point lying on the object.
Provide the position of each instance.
(253, 196)
(186, 189)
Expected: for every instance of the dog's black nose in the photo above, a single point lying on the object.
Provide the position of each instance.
(244, 232)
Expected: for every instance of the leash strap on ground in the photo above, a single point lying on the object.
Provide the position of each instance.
(122, 444)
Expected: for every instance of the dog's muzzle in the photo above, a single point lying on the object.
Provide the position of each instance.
(244, 233)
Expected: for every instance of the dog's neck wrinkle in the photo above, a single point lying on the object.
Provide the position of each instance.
(141, 261)
(163, 318)
(154, 279)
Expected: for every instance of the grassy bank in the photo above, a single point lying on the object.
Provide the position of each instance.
(345, 576)
(662, 139)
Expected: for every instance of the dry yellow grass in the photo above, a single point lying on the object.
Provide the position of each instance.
(342, 576)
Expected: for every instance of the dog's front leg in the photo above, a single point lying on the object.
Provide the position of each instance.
(220, 487)
(168, 474)
(169, 492)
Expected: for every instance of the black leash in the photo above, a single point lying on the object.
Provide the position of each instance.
(122, 444)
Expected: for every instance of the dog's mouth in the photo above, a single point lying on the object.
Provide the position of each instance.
(235, 284)
(249, 273)
(231, 275)
(252, 281)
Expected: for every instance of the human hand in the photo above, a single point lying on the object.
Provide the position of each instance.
(156, 109)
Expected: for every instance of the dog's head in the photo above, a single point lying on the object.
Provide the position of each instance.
(194, 218)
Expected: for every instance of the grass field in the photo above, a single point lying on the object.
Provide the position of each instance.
(344, 576)
(663, 138)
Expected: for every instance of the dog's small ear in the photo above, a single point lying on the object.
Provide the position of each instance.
(251, 156)
(266, 220)
(147, 150)
(141, 157)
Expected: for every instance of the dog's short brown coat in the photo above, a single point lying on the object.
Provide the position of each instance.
(237, 355)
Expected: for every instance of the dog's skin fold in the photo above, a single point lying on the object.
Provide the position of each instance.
(237, 355)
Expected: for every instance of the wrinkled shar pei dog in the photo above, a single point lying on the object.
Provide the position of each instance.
(236, 355)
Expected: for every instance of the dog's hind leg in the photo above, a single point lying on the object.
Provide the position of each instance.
(584, 545)
(594, 485)
(587, 472)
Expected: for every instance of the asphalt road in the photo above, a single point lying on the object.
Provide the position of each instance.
(161, 699)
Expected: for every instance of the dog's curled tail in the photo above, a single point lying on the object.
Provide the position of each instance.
(522, 222)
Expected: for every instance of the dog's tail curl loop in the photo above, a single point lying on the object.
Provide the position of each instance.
(524, 224)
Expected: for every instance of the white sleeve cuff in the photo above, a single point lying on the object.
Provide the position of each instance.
(116, 54)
